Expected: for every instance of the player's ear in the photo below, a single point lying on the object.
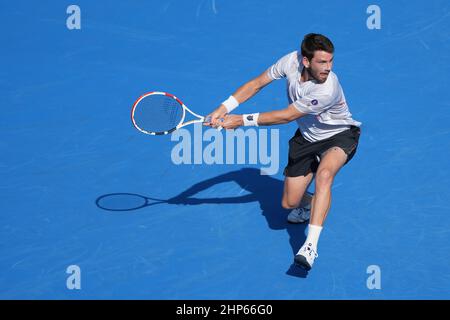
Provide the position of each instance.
(305, 62)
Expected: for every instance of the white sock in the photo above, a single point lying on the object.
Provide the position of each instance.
(313, 235)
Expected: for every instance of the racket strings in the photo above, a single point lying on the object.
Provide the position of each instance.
(158, 113)
(173, 112)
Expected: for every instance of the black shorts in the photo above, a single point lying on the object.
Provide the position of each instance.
(304, 155)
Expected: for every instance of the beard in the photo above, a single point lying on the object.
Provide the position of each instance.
(316, 75)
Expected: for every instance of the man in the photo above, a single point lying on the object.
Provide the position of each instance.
(326, 139)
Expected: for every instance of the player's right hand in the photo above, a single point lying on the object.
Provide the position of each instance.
(216, 117)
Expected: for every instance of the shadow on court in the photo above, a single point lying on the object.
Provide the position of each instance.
(261, 188)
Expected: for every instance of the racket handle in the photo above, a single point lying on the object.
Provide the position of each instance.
(220, 127)
(208, 119)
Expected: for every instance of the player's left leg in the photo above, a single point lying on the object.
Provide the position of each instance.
(296, 198)
(330, 164)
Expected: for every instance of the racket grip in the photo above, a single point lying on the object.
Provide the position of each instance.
(208, 120)
(220, 127)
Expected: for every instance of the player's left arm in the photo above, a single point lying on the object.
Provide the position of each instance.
(288, 114)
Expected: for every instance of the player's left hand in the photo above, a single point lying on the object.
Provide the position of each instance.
(232, 121)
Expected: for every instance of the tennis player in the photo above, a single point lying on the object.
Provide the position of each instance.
(326, 139)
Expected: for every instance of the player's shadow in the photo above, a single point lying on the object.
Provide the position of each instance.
(261, 188)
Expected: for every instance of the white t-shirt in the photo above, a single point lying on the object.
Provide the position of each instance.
(326, 110)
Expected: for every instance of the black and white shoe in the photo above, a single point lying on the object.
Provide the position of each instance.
(305, 256)
(300, 215)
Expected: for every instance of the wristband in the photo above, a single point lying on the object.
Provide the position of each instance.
(231, 103)
(250, 119)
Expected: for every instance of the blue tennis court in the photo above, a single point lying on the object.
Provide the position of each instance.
(77, 179)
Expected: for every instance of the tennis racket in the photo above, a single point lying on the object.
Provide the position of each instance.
(160, 113)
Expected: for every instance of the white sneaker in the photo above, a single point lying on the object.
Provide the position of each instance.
(300, 215)
(305, 256)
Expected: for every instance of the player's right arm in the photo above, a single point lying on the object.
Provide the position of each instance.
(242, 94)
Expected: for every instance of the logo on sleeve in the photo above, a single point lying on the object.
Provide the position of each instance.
(314, 102)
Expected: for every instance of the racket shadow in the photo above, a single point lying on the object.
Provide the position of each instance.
(260, 188)
(122, 202)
